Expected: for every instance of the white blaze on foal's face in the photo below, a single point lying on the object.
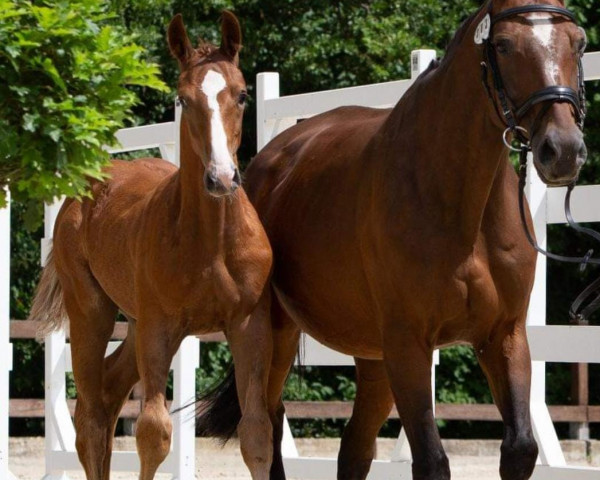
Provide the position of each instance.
(221, 162)
(544, 33)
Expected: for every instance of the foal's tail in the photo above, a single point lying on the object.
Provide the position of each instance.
(48, 309)
(218, 410)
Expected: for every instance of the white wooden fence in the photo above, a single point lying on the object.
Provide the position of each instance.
(548, 343)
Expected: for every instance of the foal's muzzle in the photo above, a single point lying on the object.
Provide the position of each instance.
(221, 185)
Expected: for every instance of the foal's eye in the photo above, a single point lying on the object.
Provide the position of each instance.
(242, 97)
(182, 101)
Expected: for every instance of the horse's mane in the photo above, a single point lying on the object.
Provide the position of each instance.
(456, 39)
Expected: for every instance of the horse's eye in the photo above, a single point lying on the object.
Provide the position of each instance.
(502, 46)
(581, 45)
(242, 97)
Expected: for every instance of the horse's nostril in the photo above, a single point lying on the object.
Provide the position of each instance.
(548, 152)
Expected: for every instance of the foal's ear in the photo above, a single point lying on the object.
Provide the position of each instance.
(179, 43)
(231, 36)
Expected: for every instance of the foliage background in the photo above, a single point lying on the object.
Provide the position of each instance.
(318, 45)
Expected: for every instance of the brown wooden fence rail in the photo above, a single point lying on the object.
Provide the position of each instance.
(32, 408)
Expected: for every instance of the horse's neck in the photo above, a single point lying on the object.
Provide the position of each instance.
(202, 219)
(444, 146)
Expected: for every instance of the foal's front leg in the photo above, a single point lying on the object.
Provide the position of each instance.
(408, 360)
(155, 347)
(506, 362)
(251, 345)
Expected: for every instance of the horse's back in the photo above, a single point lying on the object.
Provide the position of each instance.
(312, 149)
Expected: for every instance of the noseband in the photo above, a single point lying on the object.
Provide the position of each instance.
(511, 117)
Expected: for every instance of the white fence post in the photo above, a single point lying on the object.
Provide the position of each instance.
(6, 353)
(543, 428)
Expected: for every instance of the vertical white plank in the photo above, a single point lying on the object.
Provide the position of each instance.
(267, 87)
(543, 428)
(184, 364)
(5, 345)
(420, 61)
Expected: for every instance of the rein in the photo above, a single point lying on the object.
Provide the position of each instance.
(511, 117)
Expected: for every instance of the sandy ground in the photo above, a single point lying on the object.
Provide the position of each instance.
(469, 460)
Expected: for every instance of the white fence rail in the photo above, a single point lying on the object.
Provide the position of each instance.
(548, 343)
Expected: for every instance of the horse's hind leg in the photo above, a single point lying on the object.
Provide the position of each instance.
(408, 361)
(372, 406)
(506, 362)
(92, 316)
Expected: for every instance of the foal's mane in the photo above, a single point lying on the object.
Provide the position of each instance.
(205, 49)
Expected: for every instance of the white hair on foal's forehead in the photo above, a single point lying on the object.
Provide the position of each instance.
(212, 85)
(544, 32)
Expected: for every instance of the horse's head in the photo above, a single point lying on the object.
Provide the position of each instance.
(212, 92)
(537, 53)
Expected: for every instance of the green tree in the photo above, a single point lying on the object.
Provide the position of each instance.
(64, 70)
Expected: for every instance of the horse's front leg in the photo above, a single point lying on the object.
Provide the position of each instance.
(251, 345)
(506, 363)
(408, 358)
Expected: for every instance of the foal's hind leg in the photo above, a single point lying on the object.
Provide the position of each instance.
(372, 406)
(120, 375)
(408, 361)
(92, 316)
(506, 362)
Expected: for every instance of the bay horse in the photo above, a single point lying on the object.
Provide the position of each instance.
(397, 231)
(179, 252)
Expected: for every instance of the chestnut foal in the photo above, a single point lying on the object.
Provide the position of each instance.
(397, 231)
(178, 252)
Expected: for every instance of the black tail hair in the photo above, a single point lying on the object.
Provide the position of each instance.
(218, 410)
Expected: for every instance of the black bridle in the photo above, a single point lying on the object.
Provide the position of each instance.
(510, 116)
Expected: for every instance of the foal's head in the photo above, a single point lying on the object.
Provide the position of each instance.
(212, 92)
(534, 51)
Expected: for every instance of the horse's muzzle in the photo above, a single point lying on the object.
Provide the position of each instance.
(559, 154)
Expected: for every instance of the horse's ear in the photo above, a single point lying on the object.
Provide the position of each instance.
(231, 36)
(179, 43)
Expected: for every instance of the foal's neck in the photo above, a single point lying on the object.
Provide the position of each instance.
(201, 218)
(447, 143)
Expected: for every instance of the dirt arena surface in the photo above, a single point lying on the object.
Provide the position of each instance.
(469, 459)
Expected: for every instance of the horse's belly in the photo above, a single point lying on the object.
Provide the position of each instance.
(345, 324)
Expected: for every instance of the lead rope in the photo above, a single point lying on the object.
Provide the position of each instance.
(576, 312)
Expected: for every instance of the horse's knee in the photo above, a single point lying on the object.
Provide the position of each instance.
(432, 466)
(256, 441)
(153, 433)
(518, 457)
